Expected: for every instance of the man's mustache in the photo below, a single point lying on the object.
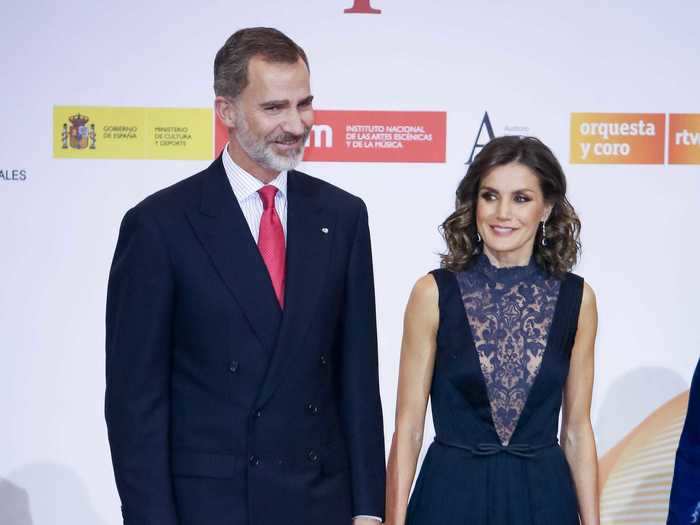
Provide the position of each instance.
(290, 138)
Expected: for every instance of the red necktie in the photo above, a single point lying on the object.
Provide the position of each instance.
(271, 241)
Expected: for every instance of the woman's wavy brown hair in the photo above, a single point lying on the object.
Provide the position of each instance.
(562, 246)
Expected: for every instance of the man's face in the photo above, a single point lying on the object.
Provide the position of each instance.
(274, 114)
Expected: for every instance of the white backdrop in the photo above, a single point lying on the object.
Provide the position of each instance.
(528, 64)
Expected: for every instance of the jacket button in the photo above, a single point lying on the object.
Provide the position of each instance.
(312, 456)
(323, 360)
(313, 409)
(254, 461)
(233, 367)
(258, 413)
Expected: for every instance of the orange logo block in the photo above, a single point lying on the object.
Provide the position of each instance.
(617, 138)
(684, 139)
(377, 136)
(370, 136)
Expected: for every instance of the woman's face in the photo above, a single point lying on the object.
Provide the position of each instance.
(510, 206)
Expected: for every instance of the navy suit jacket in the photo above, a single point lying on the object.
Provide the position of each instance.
(221, 408)
(684, 507)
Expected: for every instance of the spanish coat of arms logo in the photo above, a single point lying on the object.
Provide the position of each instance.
(79, 136)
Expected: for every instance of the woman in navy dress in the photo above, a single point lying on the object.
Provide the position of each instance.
(684, 507)
(498, 338)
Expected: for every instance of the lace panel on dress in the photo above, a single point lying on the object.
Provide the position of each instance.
(510, 312)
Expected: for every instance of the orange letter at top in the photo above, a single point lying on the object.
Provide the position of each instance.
(363, 6)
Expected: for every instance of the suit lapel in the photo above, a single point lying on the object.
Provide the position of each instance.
(223, 231)
(310, 231)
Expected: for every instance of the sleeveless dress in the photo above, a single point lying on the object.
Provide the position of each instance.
(503, 347)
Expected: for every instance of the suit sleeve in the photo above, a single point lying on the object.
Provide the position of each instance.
(361, 409)
(138, 346)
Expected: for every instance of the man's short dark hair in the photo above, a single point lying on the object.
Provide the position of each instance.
(231, 62)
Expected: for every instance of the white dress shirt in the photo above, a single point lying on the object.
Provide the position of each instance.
(245, 187)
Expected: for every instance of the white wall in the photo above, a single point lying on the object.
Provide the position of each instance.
(528, 64)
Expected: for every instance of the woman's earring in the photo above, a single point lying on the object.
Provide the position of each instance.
(478, 237)
(544, 234)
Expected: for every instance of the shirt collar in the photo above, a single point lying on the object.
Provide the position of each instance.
(244, 184)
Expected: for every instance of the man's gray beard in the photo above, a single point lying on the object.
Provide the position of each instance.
(261, 152)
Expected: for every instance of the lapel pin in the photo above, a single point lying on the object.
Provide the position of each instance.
(324, 230)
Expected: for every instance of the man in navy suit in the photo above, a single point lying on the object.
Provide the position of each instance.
(242, 383)
(684, 504)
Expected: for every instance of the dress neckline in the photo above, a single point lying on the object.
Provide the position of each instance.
(507, 274)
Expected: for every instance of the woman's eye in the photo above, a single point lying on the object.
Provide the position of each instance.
(488, 196)
(521, 198)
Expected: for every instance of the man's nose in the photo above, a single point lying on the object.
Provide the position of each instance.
(294, 123)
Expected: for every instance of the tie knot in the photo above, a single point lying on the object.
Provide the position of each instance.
(267, 194)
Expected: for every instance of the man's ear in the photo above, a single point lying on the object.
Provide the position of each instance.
(225, 110)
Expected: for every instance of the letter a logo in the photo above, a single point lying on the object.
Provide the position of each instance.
(363, 6)
(485, 122)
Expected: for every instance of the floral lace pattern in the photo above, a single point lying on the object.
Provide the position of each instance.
(510, 312)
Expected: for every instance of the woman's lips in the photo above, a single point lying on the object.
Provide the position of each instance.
(502, 230)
